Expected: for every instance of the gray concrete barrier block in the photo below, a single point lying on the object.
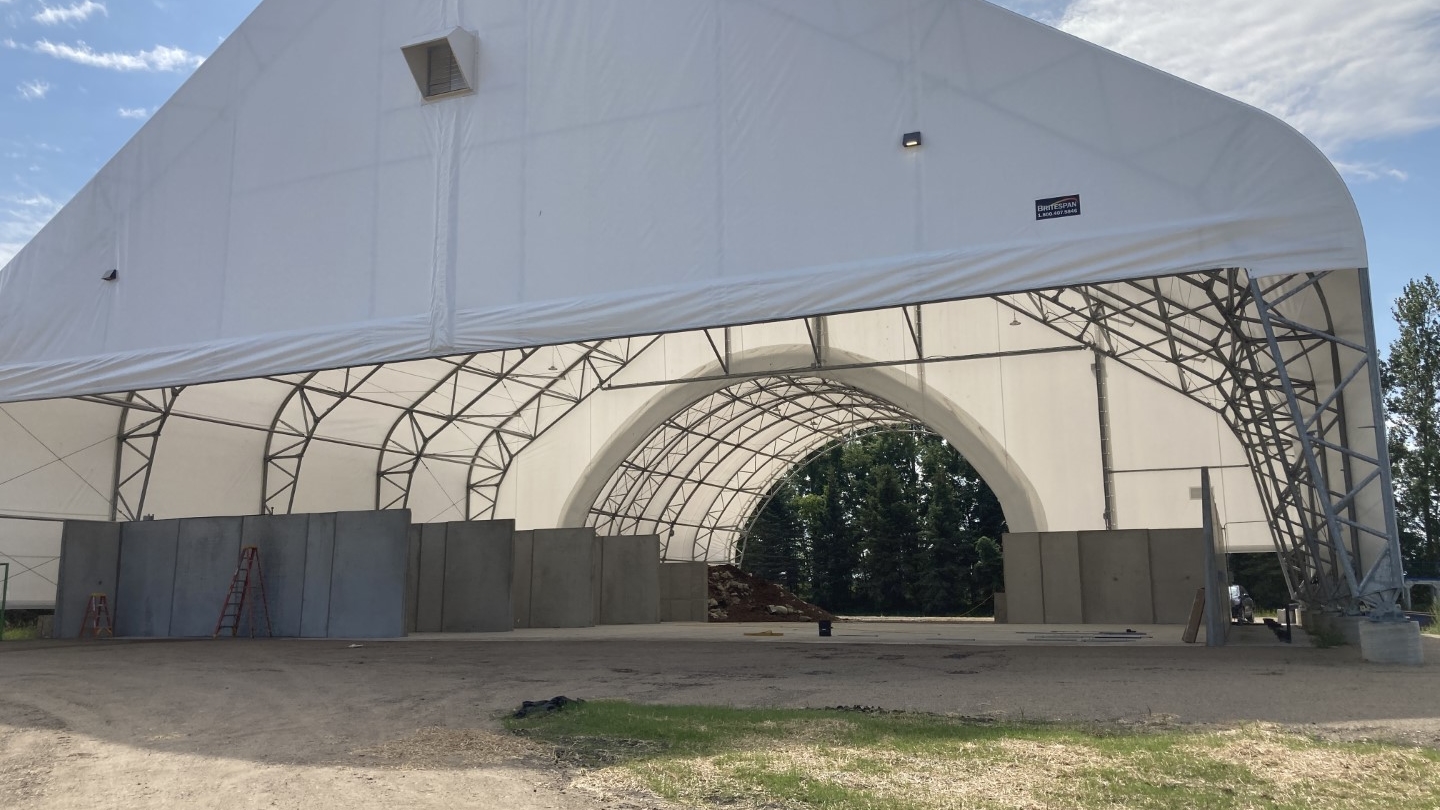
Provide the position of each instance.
(630, 580)
(1115, 577)
(89, 563)
(146, 587)
(207, 551)
(684, 592)
(412, 578)
(1391, 643)
(520, 576)
(1177, 569)
(561, 588)
(1024, 591)
(430, 588)
(478, 565)
(1060, 577)
(367, 586)
(319, 565)
(282, 542)
(597, 577)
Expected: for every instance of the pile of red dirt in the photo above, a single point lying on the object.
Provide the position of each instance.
(737, 596)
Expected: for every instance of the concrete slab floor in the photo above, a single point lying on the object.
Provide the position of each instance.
(976, 633)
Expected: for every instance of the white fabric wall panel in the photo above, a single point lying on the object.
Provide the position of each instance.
(32, 548)
(58, 459)
(205, 470)
(336, 478)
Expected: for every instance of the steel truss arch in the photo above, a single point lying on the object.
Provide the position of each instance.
(1266, 355)
(718, 457)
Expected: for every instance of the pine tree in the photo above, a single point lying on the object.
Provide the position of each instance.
(1412, 377)
(887, 524)
(775, 548)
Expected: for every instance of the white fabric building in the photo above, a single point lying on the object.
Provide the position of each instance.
(738, 230)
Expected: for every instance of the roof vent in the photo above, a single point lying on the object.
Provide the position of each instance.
(445, 67)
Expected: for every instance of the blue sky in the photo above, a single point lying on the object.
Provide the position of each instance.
(1361, 78)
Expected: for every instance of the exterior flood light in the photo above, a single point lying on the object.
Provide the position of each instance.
(113, 275)
(912, 140)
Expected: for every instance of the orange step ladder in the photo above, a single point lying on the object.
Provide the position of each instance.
(247, 588)
(96, 623)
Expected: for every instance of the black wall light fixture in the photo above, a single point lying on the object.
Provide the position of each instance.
(113, 275)
(911, 140)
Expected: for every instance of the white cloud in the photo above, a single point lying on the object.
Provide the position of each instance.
(34, 90)
(21, 217)
(134, 112)
(1339, 71)
(74, 13)
(158, 59)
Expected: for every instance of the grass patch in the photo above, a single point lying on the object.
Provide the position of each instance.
(848, 760)
(1434, 627)
(20, 632)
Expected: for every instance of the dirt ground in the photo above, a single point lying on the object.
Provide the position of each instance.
(319, 724)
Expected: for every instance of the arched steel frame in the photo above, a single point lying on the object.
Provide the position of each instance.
(721, 455)
(1264, 353)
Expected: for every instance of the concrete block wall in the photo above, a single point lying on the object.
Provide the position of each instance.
(1109, 577)
(459, 577)
(684, 592)
(326, 576)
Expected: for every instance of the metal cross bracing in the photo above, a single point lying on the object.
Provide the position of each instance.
(1265, 353)
(293, 430)
(594, 365)
(701, 472)
(142, 420)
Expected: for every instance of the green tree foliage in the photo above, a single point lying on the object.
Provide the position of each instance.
(1412, 381)
(894, 523)
(889, 542)
(776, 549)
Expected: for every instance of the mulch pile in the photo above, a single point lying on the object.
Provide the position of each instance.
(737, 596)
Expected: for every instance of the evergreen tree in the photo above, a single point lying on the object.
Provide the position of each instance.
(887, 524)
(1413, 401)
(832, 560)
(945, 575)
(775, 549)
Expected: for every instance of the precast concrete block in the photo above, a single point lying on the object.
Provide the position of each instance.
(1024, 588)
(367, 588)
(684, 592)
(562, 590)
(1060, 578)
(281, 540)
(597, 576)
(319, 565)
(430, 593)
(412, 578)
(630, 580)
(207, 552)
(478, 566)
(1391, 642)
(1115, 577)
(1177, 570)
(89, 563)
(520, 576)
(145, 591)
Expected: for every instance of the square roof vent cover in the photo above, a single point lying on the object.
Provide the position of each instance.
(446, 66)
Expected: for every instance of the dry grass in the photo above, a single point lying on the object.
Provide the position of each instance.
(704, 758)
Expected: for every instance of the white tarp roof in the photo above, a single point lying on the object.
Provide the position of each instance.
(631, 167)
